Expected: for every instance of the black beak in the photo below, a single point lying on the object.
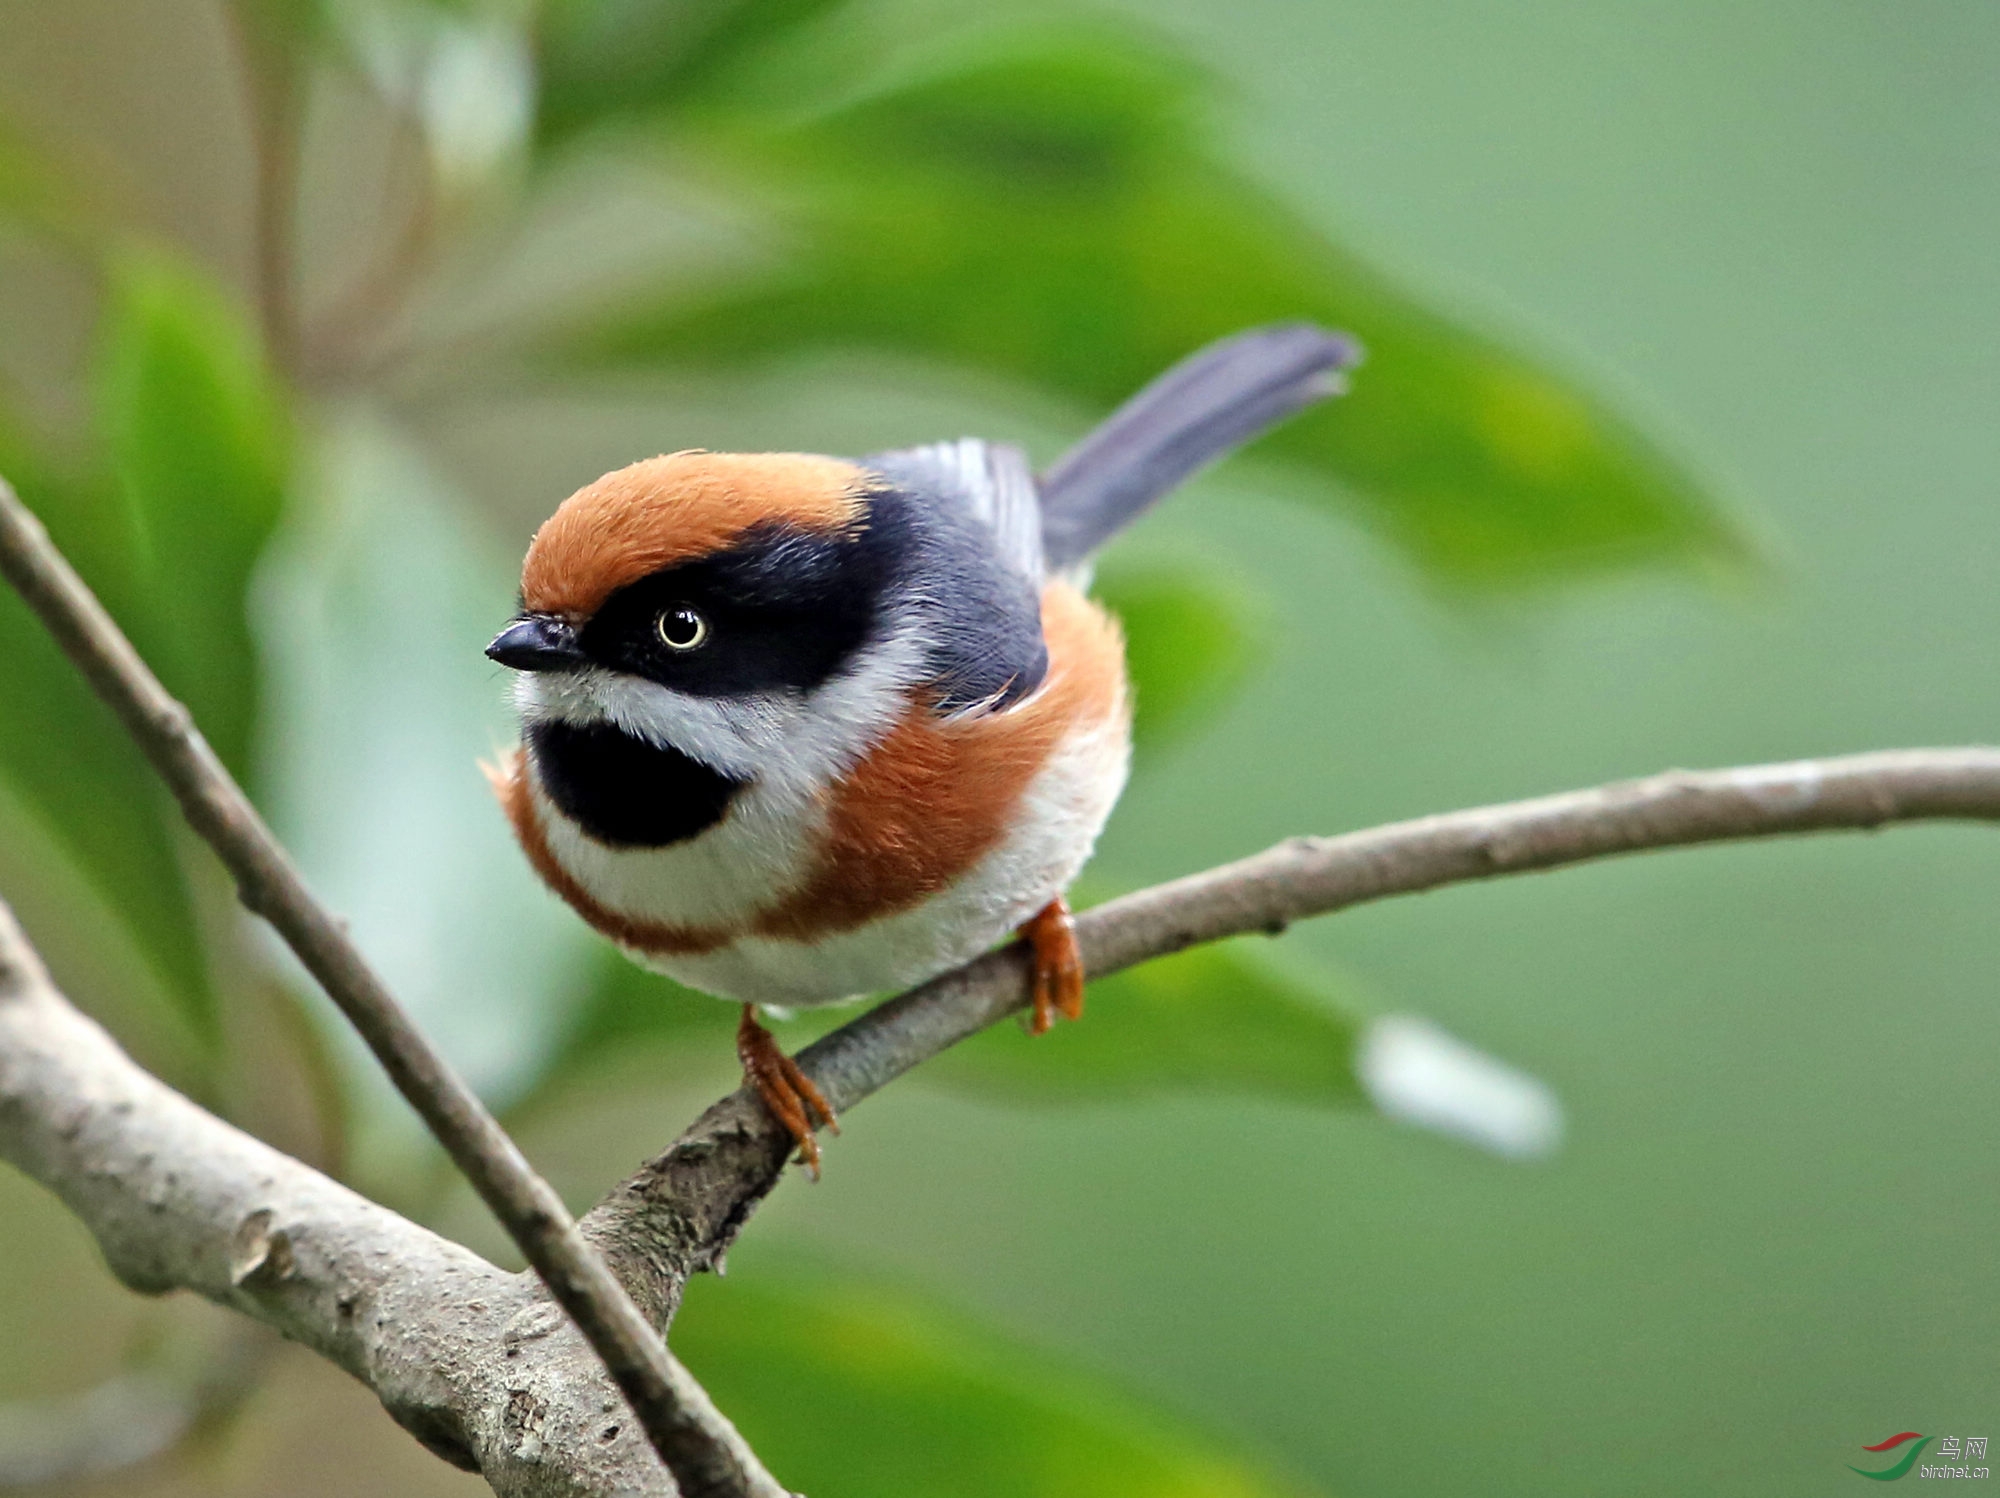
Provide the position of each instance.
(538, 642)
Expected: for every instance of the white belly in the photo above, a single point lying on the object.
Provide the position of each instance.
(1061, 814)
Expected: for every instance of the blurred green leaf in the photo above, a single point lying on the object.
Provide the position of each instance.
(68, 757)
(1190, 642)
(1215, 1018)
(199, 442)
(1212, 1018)
(1043, 206)
(845, 1390)
(611, 62)
(167, 535)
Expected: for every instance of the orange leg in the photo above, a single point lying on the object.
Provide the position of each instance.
(788, 1092)
(1051, 936)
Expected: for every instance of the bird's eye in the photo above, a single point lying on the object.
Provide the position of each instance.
(681, 628)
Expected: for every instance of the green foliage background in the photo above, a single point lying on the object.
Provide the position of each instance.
(1169, 1250)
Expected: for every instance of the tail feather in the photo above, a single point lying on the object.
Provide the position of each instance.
(1211, 402)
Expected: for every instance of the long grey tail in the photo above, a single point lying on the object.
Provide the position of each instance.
(1212, 401)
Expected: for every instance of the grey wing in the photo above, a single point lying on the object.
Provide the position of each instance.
(991, 480)
(972, 527)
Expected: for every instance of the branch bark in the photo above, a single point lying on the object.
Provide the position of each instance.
(473, 1361)
(476, 1362)
(681, 1210)
(705, 1454)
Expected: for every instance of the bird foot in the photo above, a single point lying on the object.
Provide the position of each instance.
(1051, 937)
(788, 1092)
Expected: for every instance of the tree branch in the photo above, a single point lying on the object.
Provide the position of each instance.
(681, 1210)
(470, 1359)
(474, 1361)
(700, 1449)
(271, 88)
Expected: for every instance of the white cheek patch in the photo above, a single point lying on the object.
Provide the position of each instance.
(734, 736)
(802, 740)
(853, 712)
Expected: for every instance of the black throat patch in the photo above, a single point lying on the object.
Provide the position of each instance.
(624, 792)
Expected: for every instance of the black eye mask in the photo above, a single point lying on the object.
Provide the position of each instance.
(785, 609)
(790, 609)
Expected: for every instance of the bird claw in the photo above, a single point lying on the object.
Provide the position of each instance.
(1058, 964)
(786, 1090)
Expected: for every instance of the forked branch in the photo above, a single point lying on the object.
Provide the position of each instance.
(707, 1457)
(684, 1207)
(475, 1361)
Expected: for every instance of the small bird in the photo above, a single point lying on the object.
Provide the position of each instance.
(799, 728)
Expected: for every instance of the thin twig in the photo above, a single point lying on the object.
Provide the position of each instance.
(271, 87)
(357, 334)
(682, 1210)
(701, 1449)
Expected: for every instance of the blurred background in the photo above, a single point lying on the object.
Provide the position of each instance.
(1677, 445)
